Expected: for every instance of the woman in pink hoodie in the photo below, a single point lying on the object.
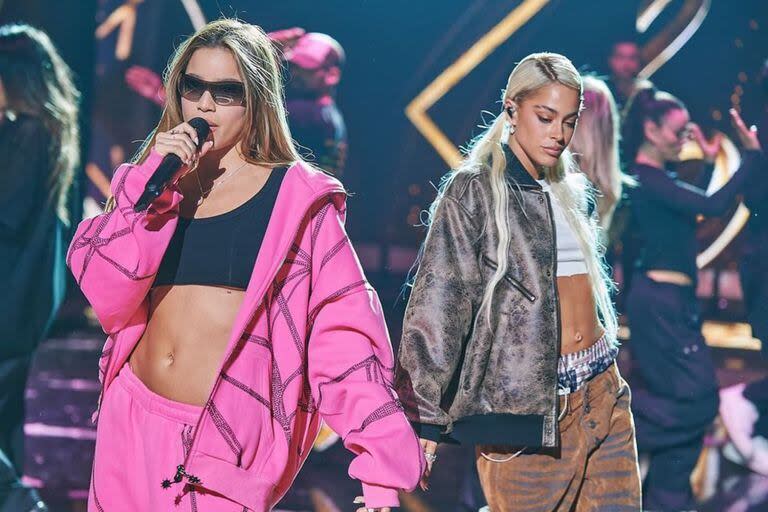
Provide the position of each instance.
(237, 311)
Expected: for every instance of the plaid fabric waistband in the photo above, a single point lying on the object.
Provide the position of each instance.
(577, 368)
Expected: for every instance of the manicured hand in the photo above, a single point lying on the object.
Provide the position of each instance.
(708, 147)
(429, 448)
(747, 136)
(182, 142)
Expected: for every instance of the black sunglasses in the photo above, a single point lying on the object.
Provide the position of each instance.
(224, 93)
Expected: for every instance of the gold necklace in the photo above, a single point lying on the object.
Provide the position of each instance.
(215, 183)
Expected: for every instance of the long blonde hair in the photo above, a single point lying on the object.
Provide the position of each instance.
(266, 137)
(569, 186)
(595, 145)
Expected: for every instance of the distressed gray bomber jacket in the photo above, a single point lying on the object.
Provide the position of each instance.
(460, 379)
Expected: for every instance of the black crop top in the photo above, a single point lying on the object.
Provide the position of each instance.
(220, 250)
(665, 211)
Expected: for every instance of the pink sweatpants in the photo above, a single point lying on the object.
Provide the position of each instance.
(141, 438)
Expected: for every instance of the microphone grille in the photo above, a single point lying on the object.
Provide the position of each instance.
(201, 127)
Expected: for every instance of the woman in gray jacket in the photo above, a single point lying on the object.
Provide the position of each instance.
(509, 338)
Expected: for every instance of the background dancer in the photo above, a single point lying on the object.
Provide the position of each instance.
(678, 399)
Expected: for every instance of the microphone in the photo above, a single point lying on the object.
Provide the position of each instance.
(168, 168)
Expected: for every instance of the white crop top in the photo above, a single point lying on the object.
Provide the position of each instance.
(570, 257)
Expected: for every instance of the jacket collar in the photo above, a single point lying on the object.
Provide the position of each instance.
(516, 171)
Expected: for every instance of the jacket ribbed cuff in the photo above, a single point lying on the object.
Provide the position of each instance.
(379, 497)
(428, 431)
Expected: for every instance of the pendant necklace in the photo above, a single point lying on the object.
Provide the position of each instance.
(215, 183)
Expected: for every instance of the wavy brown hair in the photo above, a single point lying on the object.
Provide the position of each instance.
(39, 83)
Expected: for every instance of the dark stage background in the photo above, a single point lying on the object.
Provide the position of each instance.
(395, 49)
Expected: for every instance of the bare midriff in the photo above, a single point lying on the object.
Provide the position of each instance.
(185, 339)
(189, 325)
(579, 326)
(670, 277)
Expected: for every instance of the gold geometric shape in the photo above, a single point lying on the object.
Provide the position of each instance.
(124, 20)
(453, 74)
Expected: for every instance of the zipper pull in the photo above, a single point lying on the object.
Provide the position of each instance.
(179, 476)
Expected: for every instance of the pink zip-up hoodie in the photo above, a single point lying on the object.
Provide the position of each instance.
(309, 341)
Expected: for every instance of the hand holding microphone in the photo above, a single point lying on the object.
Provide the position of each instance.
(181, 146)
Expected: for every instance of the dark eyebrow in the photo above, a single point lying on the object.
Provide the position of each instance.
(553, 111)
(226, 80)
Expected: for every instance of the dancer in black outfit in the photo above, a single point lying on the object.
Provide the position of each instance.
(678, 398)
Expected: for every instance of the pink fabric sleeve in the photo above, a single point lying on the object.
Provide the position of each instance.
(351, 368)
(114, 256)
